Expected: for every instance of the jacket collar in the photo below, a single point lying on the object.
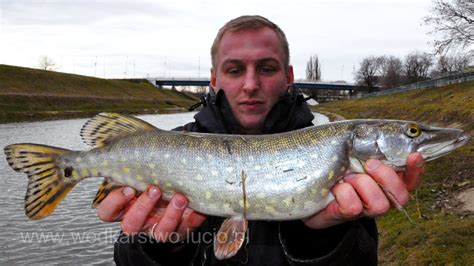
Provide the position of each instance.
(290, 112)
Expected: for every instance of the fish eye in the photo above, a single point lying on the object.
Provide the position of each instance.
(413, 131)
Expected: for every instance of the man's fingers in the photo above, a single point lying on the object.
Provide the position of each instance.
(373, 199)
(111, 208)
(414, 171)
(349, 203)
(135, 217)
(388, 180)
(346, 206)
(171, 218)
(191, 221)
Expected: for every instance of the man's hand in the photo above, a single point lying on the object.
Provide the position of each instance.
(149, 213)
(362, 195)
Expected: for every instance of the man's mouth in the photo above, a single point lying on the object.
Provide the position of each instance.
(251, 102)
(251, 105)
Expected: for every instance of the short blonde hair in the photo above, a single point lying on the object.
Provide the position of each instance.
(250, 23)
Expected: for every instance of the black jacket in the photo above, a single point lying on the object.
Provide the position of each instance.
(268, 243)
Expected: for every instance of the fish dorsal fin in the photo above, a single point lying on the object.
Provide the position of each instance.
(230, 237)
(104, 127)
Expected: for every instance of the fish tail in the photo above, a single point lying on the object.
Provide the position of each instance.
(48, 183)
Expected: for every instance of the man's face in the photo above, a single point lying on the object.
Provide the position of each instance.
(251, 71)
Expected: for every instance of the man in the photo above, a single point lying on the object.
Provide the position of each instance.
(252, 93)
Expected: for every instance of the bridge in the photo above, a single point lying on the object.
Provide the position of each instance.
(316, 85)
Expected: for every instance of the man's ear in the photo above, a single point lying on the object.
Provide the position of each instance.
(213, 80)
(290, 76)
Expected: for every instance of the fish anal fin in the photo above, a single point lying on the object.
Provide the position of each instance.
(230, 237)
(104, 127)
(104, 189)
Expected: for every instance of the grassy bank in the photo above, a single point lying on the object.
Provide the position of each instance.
(32, 94)
(454, 103)
(443, 233)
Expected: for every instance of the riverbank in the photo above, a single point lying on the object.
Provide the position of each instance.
(443, 231)
(28, 94)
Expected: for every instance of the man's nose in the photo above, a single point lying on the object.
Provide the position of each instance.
(251, 81)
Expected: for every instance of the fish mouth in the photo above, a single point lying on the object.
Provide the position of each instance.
(435, 151)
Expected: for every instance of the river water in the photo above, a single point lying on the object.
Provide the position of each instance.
(72, 234)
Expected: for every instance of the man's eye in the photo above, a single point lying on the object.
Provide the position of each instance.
(267, 70)
(233, 71)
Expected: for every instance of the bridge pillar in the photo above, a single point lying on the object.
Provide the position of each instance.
(158, 84)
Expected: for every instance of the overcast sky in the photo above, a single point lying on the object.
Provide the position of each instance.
(118, 39)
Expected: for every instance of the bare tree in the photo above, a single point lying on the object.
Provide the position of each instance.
(444, 65)
(391, 71)
(462, 61)
(451, 63)
(369, 72)
(46, 63)
(453, 22)
(313, 68)
(417, 66)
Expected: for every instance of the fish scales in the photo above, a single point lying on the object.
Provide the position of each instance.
(210, 170)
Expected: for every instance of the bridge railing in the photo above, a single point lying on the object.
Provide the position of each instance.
(432, 83)
(174, 81)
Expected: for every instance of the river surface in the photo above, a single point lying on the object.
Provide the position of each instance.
(72, 234)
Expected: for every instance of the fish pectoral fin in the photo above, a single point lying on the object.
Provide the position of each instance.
(104, 127)
(395, 203)
(104, 189)
(230, 237)
(356, 165)
(47, 186)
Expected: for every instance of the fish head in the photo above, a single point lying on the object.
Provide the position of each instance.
(391, 141)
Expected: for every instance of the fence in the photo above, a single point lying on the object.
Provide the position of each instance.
(432, 83)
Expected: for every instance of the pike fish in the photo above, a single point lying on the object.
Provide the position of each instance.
(282, 176)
